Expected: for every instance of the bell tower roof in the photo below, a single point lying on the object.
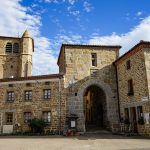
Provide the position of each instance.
(26, 34)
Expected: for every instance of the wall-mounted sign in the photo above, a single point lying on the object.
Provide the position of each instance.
(73, 124)
(146, 118)
(144, 98)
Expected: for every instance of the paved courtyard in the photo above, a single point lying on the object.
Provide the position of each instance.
(88, 142)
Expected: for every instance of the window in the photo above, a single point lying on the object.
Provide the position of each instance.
(27, 117)
(10, 96)
(15, 48)
(47, 94)
(8, 48)
(9, 118)
(139, 112)
(47, 83)
(128, 64)
(47, 116)
(28, 84)
(94, 59)
(130, 87)
(28, 95)
(126, 111)
(10, 85)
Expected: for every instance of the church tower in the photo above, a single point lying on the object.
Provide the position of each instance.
(16, 56)
(27, 49)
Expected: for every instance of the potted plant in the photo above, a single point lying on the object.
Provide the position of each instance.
(126, 122)
(141, 121)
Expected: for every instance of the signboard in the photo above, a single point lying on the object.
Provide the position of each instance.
(73, 124)
(8, 129)
(144, 98)
(146, 118)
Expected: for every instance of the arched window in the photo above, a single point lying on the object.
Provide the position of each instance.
(16, 48)
(8, 48)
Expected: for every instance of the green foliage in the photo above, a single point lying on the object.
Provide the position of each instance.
(37, 125)
(141, 121)
(126, 121)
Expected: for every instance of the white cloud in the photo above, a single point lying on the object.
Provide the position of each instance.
(127, 40)
(73, 12)
(72, 2)
(53, 1)
(14, 19)
(139, 13)
(87, 6)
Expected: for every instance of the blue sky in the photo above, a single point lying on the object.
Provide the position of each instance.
(53, 22)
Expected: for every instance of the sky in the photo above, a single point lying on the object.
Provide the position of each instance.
(53, 22)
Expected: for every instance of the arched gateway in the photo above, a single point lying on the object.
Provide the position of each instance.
(99, 109)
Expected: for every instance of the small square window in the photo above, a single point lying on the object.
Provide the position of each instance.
(28, 95)
(10, 96)
(9, 118)
(128, 64)
(10, 85)
(94, 59)
(47, 83)
(47, 93)
(47, 116)
(28, 84)
(27, 117)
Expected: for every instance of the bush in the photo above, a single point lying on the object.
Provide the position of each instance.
(126, 121)
(141, 121)
(37, 125)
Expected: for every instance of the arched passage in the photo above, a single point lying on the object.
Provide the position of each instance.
(95, 111)
(111, 114)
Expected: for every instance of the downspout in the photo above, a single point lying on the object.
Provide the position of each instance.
(59, 106)
(117, 91)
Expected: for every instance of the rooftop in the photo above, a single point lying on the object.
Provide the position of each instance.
(84, 46)
(50, 76)
(131, 51)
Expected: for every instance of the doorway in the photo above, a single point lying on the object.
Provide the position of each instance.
(95, 108)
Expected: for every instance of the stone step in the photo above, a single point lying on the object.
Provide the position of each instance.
(98, 132)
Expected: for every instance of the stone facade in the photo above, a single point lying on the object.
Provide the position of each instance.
(90, 77)
(55, 104)
(138, 72)
(75, 62)
(15, 60)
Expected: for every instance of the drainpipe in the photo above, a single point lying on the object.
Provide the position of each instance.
(117, 91)
(59, 106)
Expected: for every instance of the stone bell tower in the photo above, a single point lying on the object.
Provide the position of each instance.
(27, 48)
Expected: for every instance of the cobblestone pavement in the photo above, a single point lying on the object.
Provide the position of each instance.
(86, 142)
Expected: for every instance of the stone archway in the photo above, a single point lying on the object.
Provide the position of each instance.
(95, 111)
(111, 106)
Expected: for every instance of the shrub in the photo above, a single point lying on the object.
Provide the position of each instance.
(126, 121)
(141, 121)
(37, 125)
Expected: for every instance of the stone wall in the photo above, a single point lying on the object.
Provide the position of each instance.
(16, 64)
(80, 74)
(56, 104)
(138, 74)
(8, 62)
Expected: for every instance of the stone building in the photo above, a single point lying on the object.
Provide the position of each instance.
(16, 56)
(90, 80)
(133, 77)
(93, 84)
